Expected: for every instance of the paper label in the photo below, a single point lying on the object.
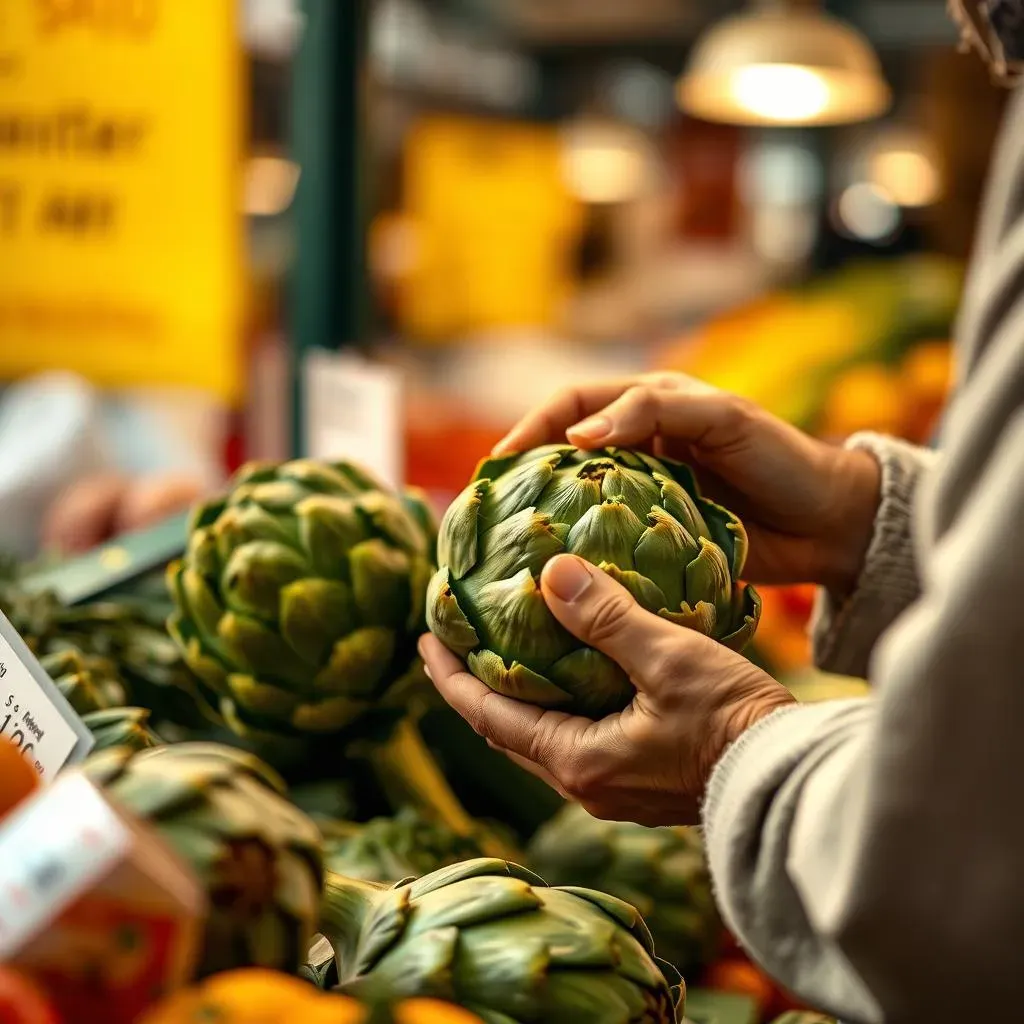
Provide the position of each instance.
(33, 714)
(354, 411)
(53, 850)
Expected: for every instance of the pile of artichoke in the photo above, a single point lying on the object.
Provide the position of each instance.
(270, 730)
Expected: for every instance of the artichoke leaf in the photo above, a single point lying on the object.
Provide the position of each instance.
(635, 489)
(707, 579)
(359, 476)
(242, 524)
(518, 489)
(327, 716)
(277, 496)
(700, 617)
(598, 685)
(358, 663)
(664, 552)
(389, 518)
(729, 534)
(254, 575)
(328, 528)
(380, 583)
(747, 613)
(314, 614)
(568, 497)
(678, 502)
(473, 902)
(523, 541)
(261, 698)
(319, 477)
(644, 591)
(601, 999)
(420, 967)
(607, 533)
(202, 552)
(200, 602)
(458, 538)
(510, 973)
(445, 618)
(420, 574)
(513, 620)
(517, 682)
(261, 650)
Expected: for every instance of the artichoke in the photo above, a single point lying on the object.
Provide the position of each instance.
(641, 519)
(804, 1017)
(300, 598)
(87, 683)
(661, 871)
(492, 937)
(121, 727)
(259, 858)
(391, 849)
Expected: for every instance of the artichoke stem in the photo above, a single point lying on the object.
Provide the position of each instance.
(410, 777)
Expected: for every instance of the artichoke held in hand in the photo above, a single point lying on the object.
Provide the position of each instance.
(640, 519)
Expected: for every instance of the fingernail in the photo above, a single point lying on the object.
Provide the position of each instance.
(595, 428)
(502, 446)
(567, 577)
(428, 673)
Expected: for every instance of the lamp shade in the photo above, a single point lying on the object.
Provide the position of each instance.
(784, 65)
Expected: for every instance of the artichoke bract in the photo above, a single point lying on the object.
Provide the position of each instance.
(492, 937)
(660, 871)
(88, 683)
(391, 849)
(641, 519)
(258, 857)
(300, 598)
(121, 727)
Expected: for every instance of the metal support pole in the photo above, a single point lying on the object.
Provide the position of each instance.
(328, 290)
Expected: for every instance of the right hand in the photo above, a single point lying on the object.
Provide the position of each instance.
(808, 507)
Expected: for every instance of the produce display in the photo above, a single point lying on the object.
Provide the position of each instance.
(260, 859)
(660, 871)
(640, 519)
(261, 707)
(494, 938)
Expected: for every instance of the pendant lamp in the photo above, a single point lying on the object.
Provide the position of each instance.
(784, 62)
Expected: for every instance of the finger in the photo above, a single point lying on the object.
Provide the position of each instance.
(545, 737)
(604, 615)
(695, 414)
(548, 423)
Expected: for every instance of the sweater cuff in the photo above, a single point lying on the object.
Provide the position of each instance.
(844, 633)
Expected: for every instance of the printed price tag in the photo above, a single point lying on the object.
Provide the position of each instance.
(353, 411)
(33, 714)
(52, 850)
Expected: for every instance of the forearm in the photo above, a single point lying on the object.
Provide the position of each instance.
(858, 848)
(845, 628)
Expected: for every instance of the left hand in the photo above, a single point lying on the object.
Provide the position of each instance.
(650, 763)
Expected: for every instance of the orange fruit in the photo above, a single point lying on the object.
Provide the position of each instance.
(18, 779)
(742, 978)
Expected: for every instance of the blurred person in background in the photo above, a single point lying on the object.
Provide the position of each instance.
(78, 467)
(867, 852)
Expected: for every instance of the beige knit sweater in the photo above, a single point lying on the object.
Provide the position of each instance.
(870, 853)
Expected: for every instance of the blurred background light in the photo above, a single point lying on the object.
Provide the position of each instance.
(868, 212)
(269, 185)
(605, 162)
(783, 63)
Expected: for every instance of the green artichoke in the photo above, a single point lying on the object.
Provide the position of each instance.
(300, 598)
(641, 519)
(121, 727)
(259, 858)
(391, 849)
(660, 871)
(88, 683)
(804, 1017)
(492, 937)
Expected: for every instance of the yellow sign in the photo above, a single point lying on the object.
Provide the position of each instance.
(495, 227)
(121, 244)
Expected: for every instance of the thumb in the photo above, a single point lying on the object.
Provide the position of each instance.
(603, 614)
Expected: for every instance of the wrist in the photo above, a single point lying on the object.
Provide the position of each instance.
(857, 488)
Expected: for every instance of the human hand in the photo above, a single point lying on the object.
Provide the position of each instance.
(650, 763)
(94, 509)
(808, 507)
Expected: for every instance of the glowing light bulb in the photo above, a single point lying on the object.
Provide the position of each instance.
(909, 176)
(785, 93)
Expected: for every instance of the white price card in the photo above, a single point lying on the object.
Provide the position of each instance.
(34, 716)
(53, 849)
(354, 411)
